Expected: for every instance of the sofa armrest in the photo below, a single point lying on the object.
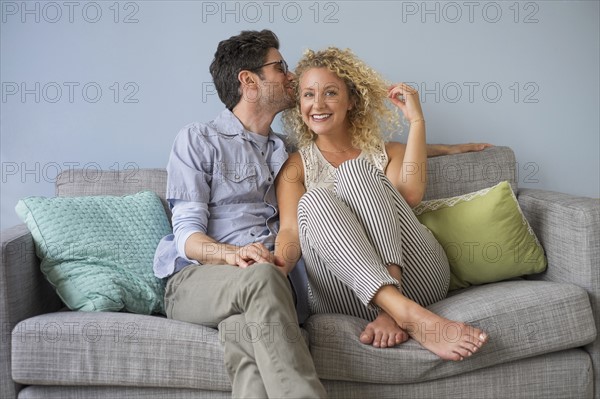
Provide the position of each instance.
(24, 292)
(568, 228)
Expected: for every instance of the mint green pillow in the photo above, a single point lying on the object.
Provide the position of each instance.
(98, 251)
(485, 236)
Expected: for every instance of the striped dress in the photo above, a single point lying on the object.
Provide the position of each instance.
(352, 223)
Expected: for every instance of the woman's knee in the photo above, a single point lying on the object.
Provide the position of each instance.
(313, 201)
(354, 168)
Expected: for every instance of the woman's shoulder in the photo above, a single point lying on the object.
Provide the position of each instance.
(294, 157)
(293, 168)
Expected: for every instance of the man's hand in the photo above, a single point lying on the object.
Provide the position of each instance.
(207, 250)
(249, 254)
(256, 253)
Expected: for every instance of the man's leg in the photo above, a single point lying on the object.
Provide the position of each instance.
(209, 294)
(237, 339)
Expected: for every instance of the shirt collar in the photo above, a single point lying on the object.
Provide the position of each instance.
(228, 124)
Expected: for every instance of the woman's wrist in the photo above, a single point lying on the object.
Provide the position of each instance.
(417, 120)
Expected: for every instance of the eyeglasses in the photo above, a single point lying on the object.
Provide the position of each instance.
(282, 63)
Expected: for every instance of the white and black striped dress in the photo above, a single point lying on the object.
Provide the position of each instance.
(353, 223)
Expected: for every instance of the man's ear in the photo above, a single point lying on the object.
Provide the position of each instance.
(246, 78)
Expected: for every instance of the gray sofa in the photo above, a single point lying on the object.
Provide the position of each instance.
(542, 328)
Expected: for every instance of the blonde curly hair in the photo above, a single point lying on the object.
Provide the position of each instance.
(370, 115)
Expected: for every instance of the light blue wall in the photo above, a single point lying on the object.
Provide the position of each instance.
(521, 74)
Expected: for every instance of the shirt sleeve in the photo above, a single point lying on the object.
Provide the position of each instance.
(189, 180)
(190, 166)
(188, 218)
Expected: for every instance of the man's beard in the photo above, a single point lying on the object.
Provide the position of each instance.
(277, 98)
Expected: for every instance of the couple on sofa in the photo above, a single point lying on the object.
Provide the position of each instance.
(244, 213)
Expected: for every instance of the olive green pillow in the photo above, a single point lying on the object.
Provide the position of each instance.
(485, 236)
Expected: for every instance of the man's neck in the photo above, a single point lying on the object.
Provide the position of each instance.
(253, 119)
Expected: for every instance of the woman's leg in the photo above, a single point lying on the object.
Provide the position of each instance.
(344, 270)
(339, 243)
(394, 231)
(398, 238)
(333, 268)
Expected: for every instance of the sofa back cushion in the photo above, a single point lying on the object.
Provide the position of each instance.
(452, 175)
(84, 182)
(447, 176)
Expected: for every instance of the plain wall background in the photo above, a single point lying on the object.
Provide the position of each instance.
(108, 84)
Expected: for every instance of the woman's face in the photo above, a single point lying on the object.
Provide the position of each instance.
(324, 101)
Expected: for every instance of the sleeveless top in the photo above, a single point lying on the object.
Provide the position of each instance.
(318, 172)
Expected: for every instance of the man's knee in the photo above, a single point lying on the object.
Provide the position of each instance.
(263, 272)
(231, 327)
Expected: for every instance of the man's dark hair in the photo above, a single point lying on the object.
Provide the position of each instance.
(247, 50)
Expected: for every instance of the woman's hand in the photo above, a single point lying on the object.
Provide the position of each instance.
(407, 99)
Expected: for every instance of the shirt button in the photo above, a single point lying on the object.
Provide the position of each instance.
(270, 179)
(262, 153)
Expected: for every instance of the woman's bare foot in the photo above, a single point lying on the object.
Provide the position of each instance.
(448, 339)
(383, 332)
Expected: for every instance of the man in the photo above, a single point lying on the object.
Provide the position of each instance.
(221, 270)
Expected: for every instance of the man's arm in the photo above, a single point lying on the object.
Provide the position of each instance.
(435, 150)
(188, 189)
(190, 219)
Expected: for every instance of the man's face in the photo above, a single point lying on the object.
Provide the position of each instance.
(276, 91)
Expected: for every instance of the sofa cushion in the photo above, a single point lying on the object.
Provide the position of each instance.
(97, 251)
(564, 374)
(114, 348)
(485, 236)
(121, 349)
(522, 318)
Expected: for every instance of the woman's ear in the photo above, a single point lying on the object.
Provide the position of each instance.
(352, 93)
(352, 101)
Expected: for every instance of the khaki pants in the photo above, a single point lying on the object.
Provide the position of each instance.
(265, 353)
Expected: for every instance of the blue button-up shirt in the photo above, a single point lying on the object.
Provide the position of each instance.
(220, 183)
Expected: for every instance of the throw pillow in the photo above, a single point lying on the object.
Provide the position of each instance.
(97, 251)
(485, 236)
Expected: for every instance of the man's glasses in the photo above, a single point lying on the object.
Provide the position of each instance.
(282, 65)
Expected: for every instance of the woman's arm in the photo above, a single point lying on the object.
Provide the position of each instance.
(290, 188)
(407, 167)
(435, 150)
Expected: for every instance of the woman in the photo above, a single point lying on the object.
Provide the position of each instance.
(345, 203)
